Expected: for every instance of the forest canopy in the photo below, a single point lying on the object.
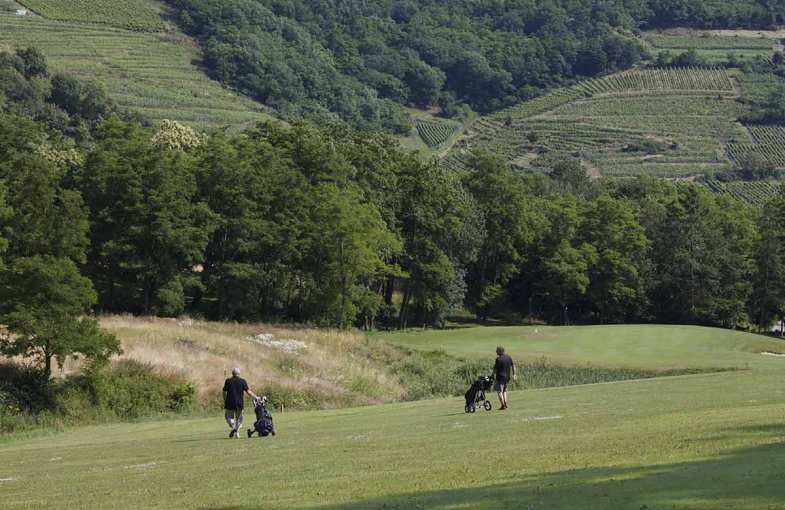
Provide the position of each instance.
(360, 62)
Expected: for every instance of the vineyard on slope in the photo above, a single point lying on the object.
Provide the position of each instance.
(138, 15)
(768, 142)
(152, 73)
(435, 132)
(669, 122)
(754, 192)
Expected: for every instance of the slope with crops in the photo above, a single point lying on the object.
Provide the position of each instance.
(146, 65)
(667, 122)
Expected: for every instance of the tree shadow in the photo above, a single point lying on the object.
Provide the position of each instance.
(768, 428)
(746, 478)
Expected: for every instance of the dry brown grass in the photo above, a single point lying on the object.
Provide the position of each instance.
(334, 364)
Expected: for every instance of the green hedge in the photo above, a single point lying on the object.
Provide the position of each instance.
(127, 390)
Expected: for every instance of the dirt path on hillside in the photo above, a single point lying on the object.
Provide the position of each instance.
(767, 34)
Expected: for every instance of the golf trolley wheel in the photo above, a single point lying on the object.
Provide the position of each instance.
(487, 405)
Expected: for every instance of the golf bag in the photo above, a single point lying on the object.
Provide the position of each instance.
(264, 420)
(476, 394)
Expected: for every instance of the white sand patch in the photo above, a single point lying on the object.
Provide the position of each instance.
(282, 344)
(776, 354)
(8, 479)
(763, 34)
(55, 459)
(141, 467)
(541, 418)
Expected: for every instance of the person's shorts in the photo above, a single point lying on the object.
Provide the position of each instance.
(500, 386)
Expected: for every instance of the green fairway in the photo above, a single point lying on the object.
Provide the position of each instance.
(712, 441)
(617, 346)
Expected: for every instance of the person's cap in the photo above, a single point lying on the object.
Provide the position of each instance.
(235, 371)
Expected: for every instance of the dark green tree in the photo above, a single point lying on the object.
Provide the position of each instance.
(618, 276)
(767, 300)
(702, 260)
(45, 308)
(149, 230)
(509, 224)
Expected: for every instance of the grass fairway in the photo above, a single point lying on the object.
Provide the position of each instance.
(631, 346)
(712, 441)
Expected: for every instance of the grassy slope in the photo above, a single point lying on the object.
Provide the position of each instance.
(150, 72)
(331, 364)
(709, 441)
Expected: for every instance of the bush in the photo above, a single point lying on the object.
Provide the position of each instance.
(132, 389)
(435, 374)
(127, 390)
(24, 388)
(292, 397)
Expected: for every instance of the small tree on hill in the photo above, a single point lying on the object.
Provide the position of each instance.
(44, 305)
(175, 136)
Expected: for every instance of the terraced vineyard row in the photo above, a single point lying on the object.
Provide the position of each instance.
(141, 15)
(663, 122)
(771, 152)
(540, 104)
(768, 134)
(754, 192)
(435, 133)
(662, 80)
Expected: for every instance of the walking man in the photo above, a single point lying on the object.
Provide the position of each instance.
(503, 370)
(234, 391)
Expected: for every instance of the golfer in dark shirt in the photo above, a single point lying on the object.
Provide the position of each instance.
(503, 371)
(234, 392)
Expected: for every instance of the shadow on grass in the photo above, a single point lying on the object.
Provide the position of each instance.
(776, 428)
(748, 478)
(752, 476)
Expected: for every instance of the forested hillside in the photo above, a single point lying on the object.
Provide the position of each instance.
(338, 228)
(360, 61)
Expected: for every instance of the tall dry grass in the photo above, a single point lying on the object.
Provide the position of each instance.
(338, 367)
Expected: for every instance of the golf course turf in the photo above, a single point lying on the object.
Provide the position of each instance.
(708, 441)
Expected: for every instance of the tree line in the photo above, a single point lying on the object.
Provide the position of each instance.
(336, 227)
(294, 223)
